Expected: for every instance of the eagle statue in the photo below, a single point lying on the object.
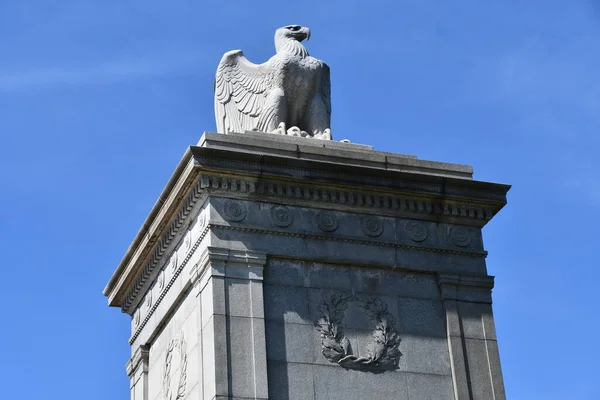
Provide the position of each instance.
(289, 94)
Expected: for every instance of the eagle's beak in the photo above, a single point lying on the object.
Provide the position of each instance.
(307, 33)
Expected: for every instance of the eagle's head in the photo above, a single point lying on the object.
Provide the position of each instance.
(288, 38)
(294, 32)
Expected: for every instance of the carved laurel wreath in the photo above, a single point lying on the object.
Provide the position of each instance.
(171, 392)
(382, 352)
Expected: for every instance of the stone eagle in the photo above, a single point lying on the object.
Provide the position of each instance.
(289, 94)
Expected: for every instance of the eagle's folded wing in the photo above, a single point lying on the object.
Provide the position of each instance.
(325, 88)
(240, 92)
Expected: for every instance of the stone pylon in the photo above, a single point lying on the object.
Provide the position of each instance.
(275, 267)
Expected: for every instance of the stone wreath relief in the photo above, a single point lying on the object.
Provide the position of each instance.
(175, 370)
(382, 352)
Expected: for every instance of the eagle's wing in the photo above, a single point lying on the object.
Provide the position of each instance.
(325, 89)
(240, 92)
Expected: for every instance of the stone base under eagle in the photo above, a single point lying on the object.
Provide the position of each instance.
(289, 94)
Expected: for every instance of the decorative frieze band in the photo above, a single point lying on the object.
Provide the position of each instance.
(350, 198)
(281, 216)
(345, 239)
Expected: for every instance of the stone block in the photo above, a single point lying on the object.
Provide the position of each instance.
(430, 387)
(283, 272)
(336, 383)
(477, 320)
(427, 355)
(286, 304)
(239, 303)
(479, 369)
(333, 277)
(212, 298)
(243, 337)
(495, 369)
(290, 342)
(290, 381)
(408, 284)
(211, 343)
(420, 317)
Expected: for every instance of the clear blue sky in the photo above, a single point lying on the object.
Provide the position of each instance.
(99, 99)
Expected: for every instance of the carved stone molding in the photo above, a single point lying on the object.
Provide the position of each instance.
(462, 287)
(140, 359)
(327, 221)
(459, 236)
(411, 204)
(281, 216)
(234, 210)
(166, 285)
(175, 369)
(260, 230)
(382, 352)
(163, 243)
(416, 231)
(372, 226)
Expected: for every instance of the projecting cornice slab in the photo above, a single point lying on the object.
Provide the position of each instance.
(303, 172)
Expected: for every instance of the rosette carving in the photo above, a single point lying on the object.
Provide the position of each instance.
(234, 210)
(281, 216)
(459, 236)
(416, 231)
(372, 226)
(327, 221)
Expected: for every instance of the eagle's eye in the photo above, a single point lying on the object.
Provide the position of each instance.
(294, 28)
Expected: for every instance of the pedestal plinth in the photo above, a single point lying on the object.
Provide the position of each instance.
(275, 267)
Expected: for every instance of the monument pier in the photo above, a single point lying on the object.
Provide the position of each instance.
(282, 266)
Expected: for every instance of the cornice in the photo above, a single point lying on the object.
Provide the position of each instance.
(351, 198)
(270, 177)
(156, 233)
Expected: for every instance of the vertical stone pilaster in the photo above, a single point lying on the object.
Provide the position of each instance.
(230, 287)
(137, 370)
(472, 343)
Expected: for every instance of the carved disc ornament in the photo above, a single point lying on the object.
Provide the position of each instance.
(381, 353)
(234, 210)
(175, 370)
(372, 226)
(187, 242)
(149, 300)
(281, 216)
(161, 281)
(459, 236)
(201, 219)
(416, 231)
(173, 261)
(327, 221)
